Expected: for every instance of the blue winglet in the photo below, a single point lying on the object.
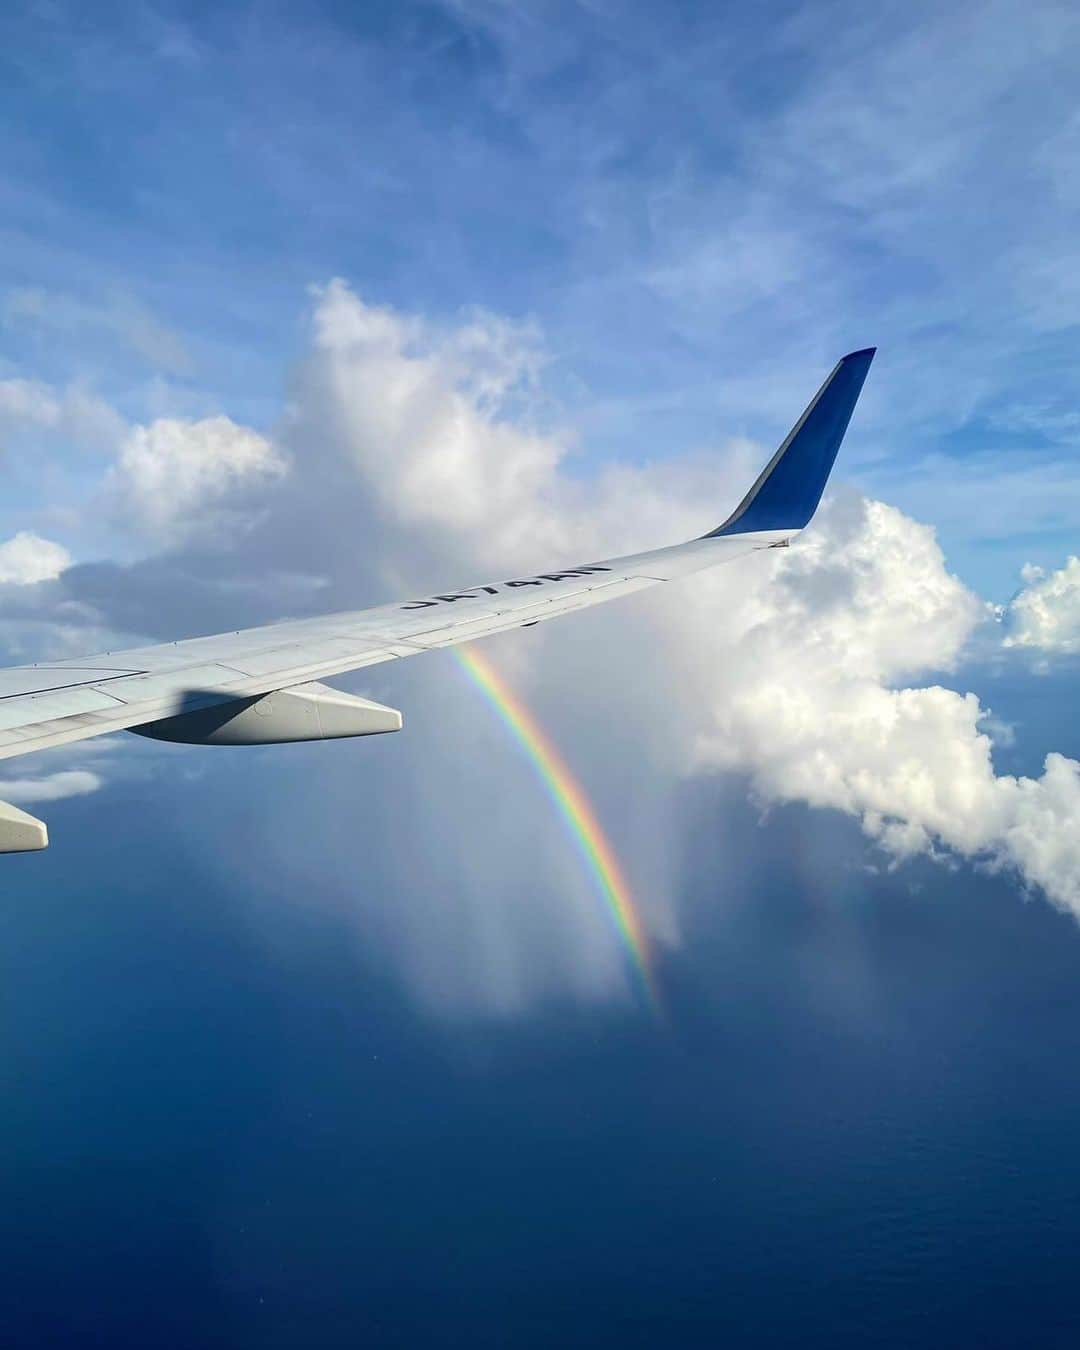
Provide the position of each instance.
(787, 493)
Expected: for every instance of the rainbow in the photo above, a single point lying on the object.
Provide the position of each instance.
(574, 807)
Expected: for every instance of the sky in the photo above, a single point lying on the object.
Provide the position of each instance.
(304, 308)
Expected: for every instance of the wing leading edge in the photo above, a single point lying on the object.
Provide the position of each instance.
(217, 689)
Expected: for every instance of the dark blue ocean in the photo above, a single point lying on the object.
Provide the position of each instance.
(857, 1123)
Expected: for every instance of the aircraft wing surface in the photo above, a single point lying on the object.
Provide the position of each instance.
(218, 689)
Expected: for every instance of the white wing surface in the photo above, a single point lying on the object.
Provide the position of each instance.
(218, 689)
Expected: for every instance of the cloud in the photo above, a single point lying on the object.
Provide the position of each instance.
(420, 412)
(1045, 612)
(75, 413)
(806, 704)
(415, 453)
(28, 401)
(119, 316)
(929, 219)
(798, 672)
(27, 559)
(51, 787)
(177, 477)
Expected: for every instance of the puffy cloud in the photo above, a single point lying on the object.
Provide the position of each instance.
(178, 477)
(421, 414)
(51, 787)
(27, 559)
(804, 702)
(1045, 613)
(798, 670)
(813, 673)
(797, 683)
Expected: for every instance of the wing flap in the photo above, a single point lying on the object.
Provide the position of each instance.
(259, 660)
(16, 712)
(43, 679)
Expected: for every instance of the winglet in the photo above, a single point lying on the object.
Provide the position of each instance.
(787, 493)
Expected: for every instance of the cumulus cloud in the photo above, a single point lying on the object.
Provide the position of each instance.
(51, 787)
(27, 559)
(420, 412)
(798, 671)
(817, 675)
(799, 681)
(809, 703)
(178, 476)
(1045, 612)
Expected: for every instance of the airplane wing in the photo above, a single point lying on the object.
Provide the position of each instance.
(262, 685)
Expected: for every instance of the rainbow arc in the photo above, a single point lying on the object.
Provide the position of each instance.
(573, 806)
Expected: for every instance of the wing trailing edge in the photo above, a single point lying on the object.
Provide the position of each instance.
(263, 685)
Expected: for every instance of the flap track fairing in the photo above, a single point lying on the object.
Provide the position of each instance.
(306, 712)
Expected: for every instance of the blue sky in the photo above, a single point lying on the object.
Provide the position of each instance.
(307, 307)
(698, 211)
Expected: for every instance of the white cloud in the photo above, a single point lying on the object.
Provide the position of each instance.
(51, 787)
(798, 680)
(420, 413)
(803, 672)
(176, 477)
(799, 671)
(75, 413)
(805, 703)
(1045, 613)
(27, 558)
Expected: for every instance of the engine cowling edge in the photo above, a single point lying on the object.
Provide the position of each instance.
(306, 712)
(21, 832)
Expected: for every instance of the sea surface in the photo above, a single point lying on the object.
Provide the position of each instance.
(856, 1123)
